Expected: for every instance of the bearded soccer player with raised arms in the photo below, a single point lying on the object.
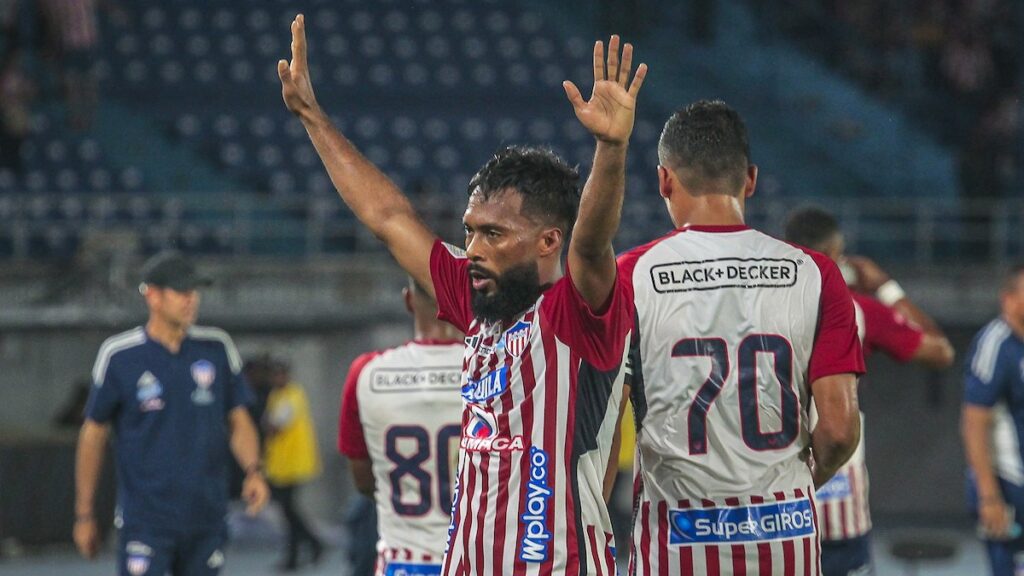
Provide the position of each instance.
(543, 364)
(735, 331)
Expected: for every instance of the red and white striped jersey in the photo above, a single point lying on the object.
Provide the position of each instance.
(401, 409)
(542, 396)
(732, 326)
(843, 508)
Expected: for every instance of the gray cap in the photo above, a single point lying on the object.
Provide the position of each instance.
(171, 269)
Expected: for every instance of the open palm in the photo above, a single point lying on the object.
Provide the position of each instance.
(610, 112)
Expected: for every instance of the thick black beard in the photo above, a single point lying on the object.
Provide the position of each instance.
(515, 291)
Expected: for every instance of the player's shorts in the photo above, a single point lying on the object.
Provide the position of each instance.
(1006, 557)
(148, 553)
(851, 557)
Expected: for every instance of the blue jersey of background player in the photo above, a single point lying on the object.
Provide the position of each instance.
(175, 397)
(993, 428)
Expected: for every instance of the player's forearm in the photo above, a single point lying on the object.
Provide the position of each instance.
(371, 195)
(92, 441)
(832, 447)
(911, 312)
(975, 428)
(601, 203)
(244, 441)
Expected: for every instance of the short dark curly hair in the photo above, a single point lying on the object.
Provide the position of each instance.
(548, 185)
(704, 143)
(811, 227)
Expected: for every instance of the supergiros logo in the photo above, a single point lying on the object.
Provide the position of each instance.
(777, 521)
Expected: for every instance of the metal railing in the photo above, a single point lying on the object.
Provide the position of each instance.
(58, 226)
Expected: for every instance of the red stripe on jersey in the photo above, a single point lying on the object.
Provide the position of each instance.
(645, 537)
(484, 535)
(817, 541)
(826, 520)
(739, 552)
(609, 560)
(788, 558)
(427, 559)
(711, 557)
(764, 549)
(593, 550)
(711, 552)
(467, 528)
(571, 512)
(663, 538)
(807, 556)
(685, 552)
(503, 501)
(739, 560)
(859, 514)
(550, 432)
(844, 517)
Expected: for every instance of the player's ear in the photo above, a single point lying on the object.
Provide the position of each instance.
(549, 241)
(664, 182)
(750, 182)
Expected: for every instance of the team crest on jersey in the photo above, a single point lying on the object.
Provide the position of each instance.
(203, 373)
(138, 558)
(149, 393)
(517, 338)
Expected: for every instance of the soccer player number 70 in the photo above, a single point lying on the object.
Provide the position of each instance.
(750, 416)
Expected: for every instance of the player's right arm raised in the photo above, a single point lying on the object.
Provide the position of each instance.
(371, 195)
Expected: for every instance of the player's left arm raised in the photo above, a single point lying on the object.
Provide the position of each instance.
(608, 115)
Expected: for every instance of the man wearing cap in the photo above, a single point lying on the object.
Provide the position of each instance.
(175, 397)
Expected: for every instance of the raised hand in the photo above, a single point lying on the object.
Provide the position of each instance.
(609, 113)
(296, 88)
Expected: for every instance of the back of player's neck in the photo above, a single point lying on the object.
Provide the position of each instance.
(710, 210)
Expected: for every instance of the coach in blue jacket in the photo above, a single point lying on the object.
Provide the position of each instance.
(175, 397)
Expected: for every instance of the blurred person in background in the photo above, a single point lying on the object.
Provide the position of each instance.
(16, 90)
(291, 458)
(400, 428)
(72, 32)
(888, 321)
(992, 427)
(174, 394)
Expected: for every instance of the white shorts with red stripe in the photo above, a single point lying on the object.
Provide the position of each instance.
(749, 536)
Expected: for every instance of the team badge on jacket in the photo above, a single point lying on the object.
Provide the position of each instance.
(138, 558)
(149, 392)
(204, 373)
(517, 338)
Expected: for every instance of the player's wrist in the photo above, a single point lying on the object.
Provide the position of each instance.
(254, 469)
(84, 518)
(890, 292)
